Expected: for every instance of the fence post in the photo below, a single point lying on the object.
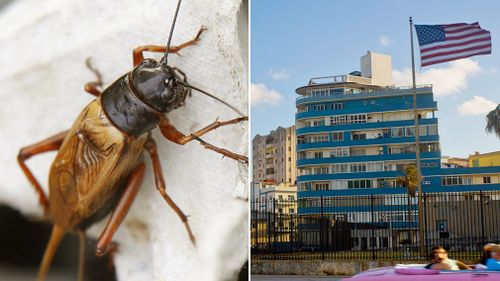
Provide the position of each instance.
(482, 217)
(268, 215)
(274, 228)
(372, 239)
(321, 234)
(256, 207)
(424, 195)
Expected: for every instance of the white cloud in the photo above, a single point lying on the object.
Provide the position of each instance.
(384, 40)
(476, 106)
(279, 74)
(448, 80)
(262, 95)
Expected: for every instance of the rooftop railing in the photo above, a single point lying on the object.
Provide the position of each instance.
(366, 94)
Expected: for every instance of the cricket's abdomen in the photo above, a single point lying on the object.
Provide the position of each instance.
(91, 168)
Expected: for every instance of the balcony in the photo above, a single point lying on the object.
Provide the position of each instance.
(364, 126)
(367, 158)
(391, 106)
(421, 89)
(379, 141)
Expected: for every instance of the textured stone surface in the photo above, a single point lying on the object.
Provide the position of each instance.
(315, 267)
(44, 46)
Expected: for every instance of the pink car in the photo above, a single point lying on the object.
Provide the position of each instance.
(419, 273)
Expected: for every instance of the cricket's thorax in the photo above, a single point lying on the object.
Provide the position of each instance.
(126, 111)
(91, 167)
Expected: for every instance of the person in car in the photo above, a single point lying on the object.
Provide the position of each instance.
(493, 263)
(486, 255)
(440, 260)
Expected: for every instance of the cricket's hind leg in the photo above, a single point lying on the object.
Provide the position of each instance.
(50, 144)
(55, 238)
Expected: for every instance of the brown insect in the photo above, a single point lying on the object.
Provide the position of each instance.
(99, 166)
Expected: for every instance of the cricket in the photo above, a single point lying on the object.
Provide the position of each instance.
(100, 165)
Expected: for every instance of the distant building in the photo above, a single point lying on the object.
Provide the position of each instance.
(272, 211)
(454, 162)
(274, 157)
(484, 159)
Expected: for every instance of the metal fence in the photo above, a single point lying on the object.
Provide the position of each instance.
(374, 227)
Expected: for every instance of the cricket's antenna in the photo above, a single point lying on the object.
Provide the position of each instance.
(164, 59)
(212, 96)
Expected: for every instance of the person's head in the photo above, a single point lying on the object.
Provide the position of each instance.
(494, 251)
(486, 252)
(438, 254)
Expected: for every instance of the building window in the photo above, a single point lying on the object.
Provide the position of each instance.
(397, 132)
(347, 119)
(486, 179)
(429, 147)
(358, 136)
(359, 184)
(322, 186)
(456, 180)
(338, 136)
(339, 152)
(321, 170)
(410, 131)
(314, 138)
(432, 130)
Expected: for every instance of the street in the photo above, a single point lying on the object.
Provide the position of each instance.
(295, 278)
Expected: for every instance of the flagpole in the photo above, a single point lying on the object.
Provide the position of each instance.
(417, 149)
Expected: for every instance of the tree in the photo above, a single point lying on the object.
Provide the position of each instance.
(410, 182)
(493, 121)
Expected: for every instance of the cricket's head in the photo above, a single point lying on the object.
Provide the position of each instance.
(159, 85)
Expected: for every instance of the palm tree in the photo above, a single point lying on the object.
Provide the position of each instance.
(493, 121)
(410, 182)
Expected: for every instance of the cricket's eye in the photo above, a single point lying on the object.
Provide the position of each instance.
(169, 82)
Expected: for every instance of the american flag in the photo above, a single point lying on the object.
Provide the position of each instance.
(447, 42)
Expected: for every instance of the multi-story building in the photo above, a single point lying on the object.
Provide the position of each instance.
(454, 162)
(274, 158)
(484, 159)
(274, 190)
(355, 137)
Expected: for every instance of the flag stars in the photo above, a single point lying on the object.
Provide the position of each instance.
(428, 34)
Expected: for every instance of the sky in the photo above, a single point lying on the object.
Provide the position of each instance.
(295, 40)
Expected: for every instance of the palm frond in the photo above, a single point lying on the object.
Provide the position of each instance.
(493, 121)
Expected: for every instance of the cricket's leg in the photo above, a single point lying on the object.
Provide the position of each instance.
(92, 87)
(138, 52)
(121, 209)
(81, 257)
(160, 185)
(50, 144)
(171, 133)
(55, 238)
